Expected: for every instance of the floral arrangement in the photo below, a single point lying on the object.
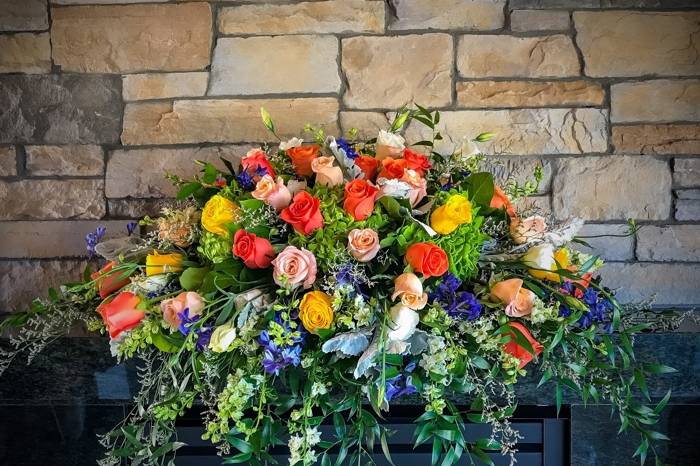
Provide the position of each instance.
(319, 282)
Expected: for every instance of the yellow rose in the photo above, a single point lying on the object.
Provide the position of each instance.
(163, 263)
(456, 211)
(543, 258)
(315, 311)
(217, 212)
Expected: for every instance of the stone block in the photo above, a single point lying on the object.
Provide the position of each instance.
(52, 199)
(64, 160)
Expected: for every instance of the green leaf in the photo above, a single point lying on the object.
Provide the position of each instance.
(641, 383)
(267, 120)
(165, 344)
(188, 189)
(658, 369)
(192, 278)
(662, 404)
(481, 188)
(558, 398)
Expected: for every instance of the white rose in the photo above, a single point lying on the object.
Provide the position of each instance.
(222, 337)
(540, 257)
(294, 142)
(404, 323)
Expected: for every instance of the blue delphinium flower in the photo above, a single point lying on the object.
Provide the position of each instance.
(131, 227)
(277, 357)
(245, 181)
(203, 337)
(92, 238)
(458, 304)
(401, 384)
(349, 150)
(186, 321)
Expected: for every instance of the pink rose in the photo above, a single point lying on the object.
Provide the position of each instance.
(418, 186)
(517, 300)
(363, 244)
(294, 267)
(276, 195)
(177, 305)
(326, 173)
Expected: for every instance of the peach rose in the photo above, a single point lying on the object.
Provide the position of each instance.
(418, 184)
(363, 244)
(409, 288)
(500, 201)
(171, 308)
(526, 230)
(326, 173)
(294, 267)
(518, 300)
(274, 194)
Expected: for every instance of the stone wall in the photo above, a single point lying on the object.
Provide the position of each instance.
(99, 97)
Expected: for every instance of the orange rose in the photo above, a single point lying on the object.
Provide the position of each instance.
(120, 313)
(302, 156)
(501, 201)
(416, 161)
(368, 165)
(359, 199)
(303, 213)
(255, 252)
(427, 258)
(518, 351)
(392, 168)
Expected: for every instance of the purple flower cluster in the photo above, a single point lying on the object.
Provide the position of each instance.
(131, 227)
(203, 333)
(349, 149)
(599, 306)
(92, 238)
(277, 357)
(458, 304)
(247, 181)
(401, 384)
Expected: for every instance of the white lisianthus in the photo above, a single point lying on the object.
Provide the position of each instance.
(469, 148)
(294, 142)
(222, 337)
(393, 188)
(540, 257)
(385, 138)
(404, 323)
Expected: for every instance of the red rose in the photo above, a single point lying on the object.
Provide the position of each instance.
(392, 168)
(108, 282)
(416, 161)
(427, 258)
(303, 213)
(302, 156)
(368, 165)
(256, 253)
(255, 161)
(120, 313)
(518, 351)
(359, 198)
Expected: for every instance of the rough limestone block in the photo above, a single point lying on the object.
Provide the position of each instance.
(64, 160)
(480, 56)
(388, 72)
(473, 15)
(670, 284)
(8, 161)
(523, 132)
(164, 85)
(52, 199)
(657, 100)
(514, 94)
(539, 20)
(656, 139)
(145, 168)
(686, 172)
(28, 240)
(223, 120)
(23, 15)
(25, 53)
(132, 38)
(675, 243)
(328, 17)
(635, 43)
(249, 66)
(609, 248)
(60, 109)
(612, 188)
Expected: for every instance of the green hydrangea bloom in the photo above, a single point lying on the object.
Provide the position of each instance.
(213, 247)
